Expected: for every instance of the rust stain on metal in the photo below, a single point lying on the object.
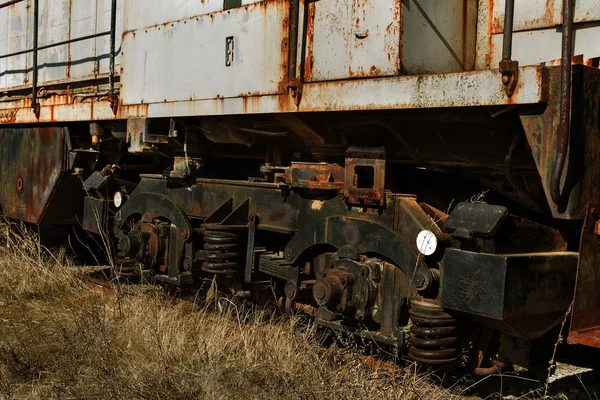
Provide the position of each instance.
(8, 117)
(585, 318)
(310, 42)
(33, 160)
(315, 176)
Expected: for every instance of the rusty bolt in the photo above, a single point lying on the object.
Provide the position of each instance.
(185, 234)
(290, 290)
(187, 264)
(20, 185)
(505, 79)
(289, 254)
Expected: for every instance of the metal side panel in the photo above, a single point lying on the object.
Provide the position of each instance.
(4, 43)
(543, 46)
(585, 317)
(240, 52)
(30, 169)
(83, 23)
(14, 35)
(102, 44)
(59, 20)
(537, 33)
(353, 39)
(438, 36)
(536, 14)
(54, 26)
(138, 15)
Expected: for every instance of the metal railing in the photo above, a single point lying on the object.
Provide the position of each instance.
(35, 49)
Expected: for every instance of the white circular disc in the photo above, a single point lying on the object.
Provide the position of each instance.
(427, 242)
(118, 199)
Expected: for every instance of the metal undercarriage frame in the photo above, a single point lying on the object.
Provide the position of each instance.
(347, 252)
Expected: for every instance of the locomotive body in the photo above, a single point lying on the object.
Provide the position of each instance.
(334, 153)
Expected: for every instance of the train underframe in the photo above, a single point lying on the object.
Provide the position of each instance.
(430, 230)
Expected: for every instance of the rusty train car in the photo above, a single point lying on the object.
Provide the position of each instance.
(423, 173)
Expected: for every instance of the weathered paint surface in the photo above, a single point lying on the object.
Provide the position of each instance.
(163, 78)
(536, 39)
(585, 318)
(353, 38)
(580, 178)
(438, 36)
(186, 59)
(479, 88)
(59, 20)
(30, 169)
(357, 39)
(543, 46)
(536, 14)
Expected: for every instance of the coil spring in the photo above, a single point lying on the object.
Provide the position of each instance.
(219, 254)
(433, 334)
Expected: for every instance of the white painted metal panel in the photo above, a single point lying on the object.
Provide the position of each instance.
(59, 20)
(471, 89)
(15, 68)
(83, 23)
(438, 36)
(185, 59)
(4, 27)
(536, 14)
(102, 43)
(54, 26)
(479, 88)
(144, 14)
(542, 46)
(375, 46)
(353, 38)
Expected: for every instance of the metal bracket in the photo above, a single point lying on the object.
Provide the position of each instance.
(365, 176)
(367, 237)
(510, 75)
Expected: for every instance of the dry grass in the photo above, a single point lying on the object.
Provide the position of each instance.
(58, 339)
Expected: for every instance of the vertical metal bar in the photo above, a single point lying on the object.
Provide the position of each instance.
(508, 68)
(566, 71)
(34, 80)
(113, 28)
(509, 14)
(293, 38)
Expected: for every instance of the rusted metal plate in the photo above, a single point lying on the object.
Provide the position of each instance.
(59, 20)
(353, 39)
(481, 88)
(138, 15)
(30, 169)
(188, 59)
(536, 14)
(585, 317)
(582, 173)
